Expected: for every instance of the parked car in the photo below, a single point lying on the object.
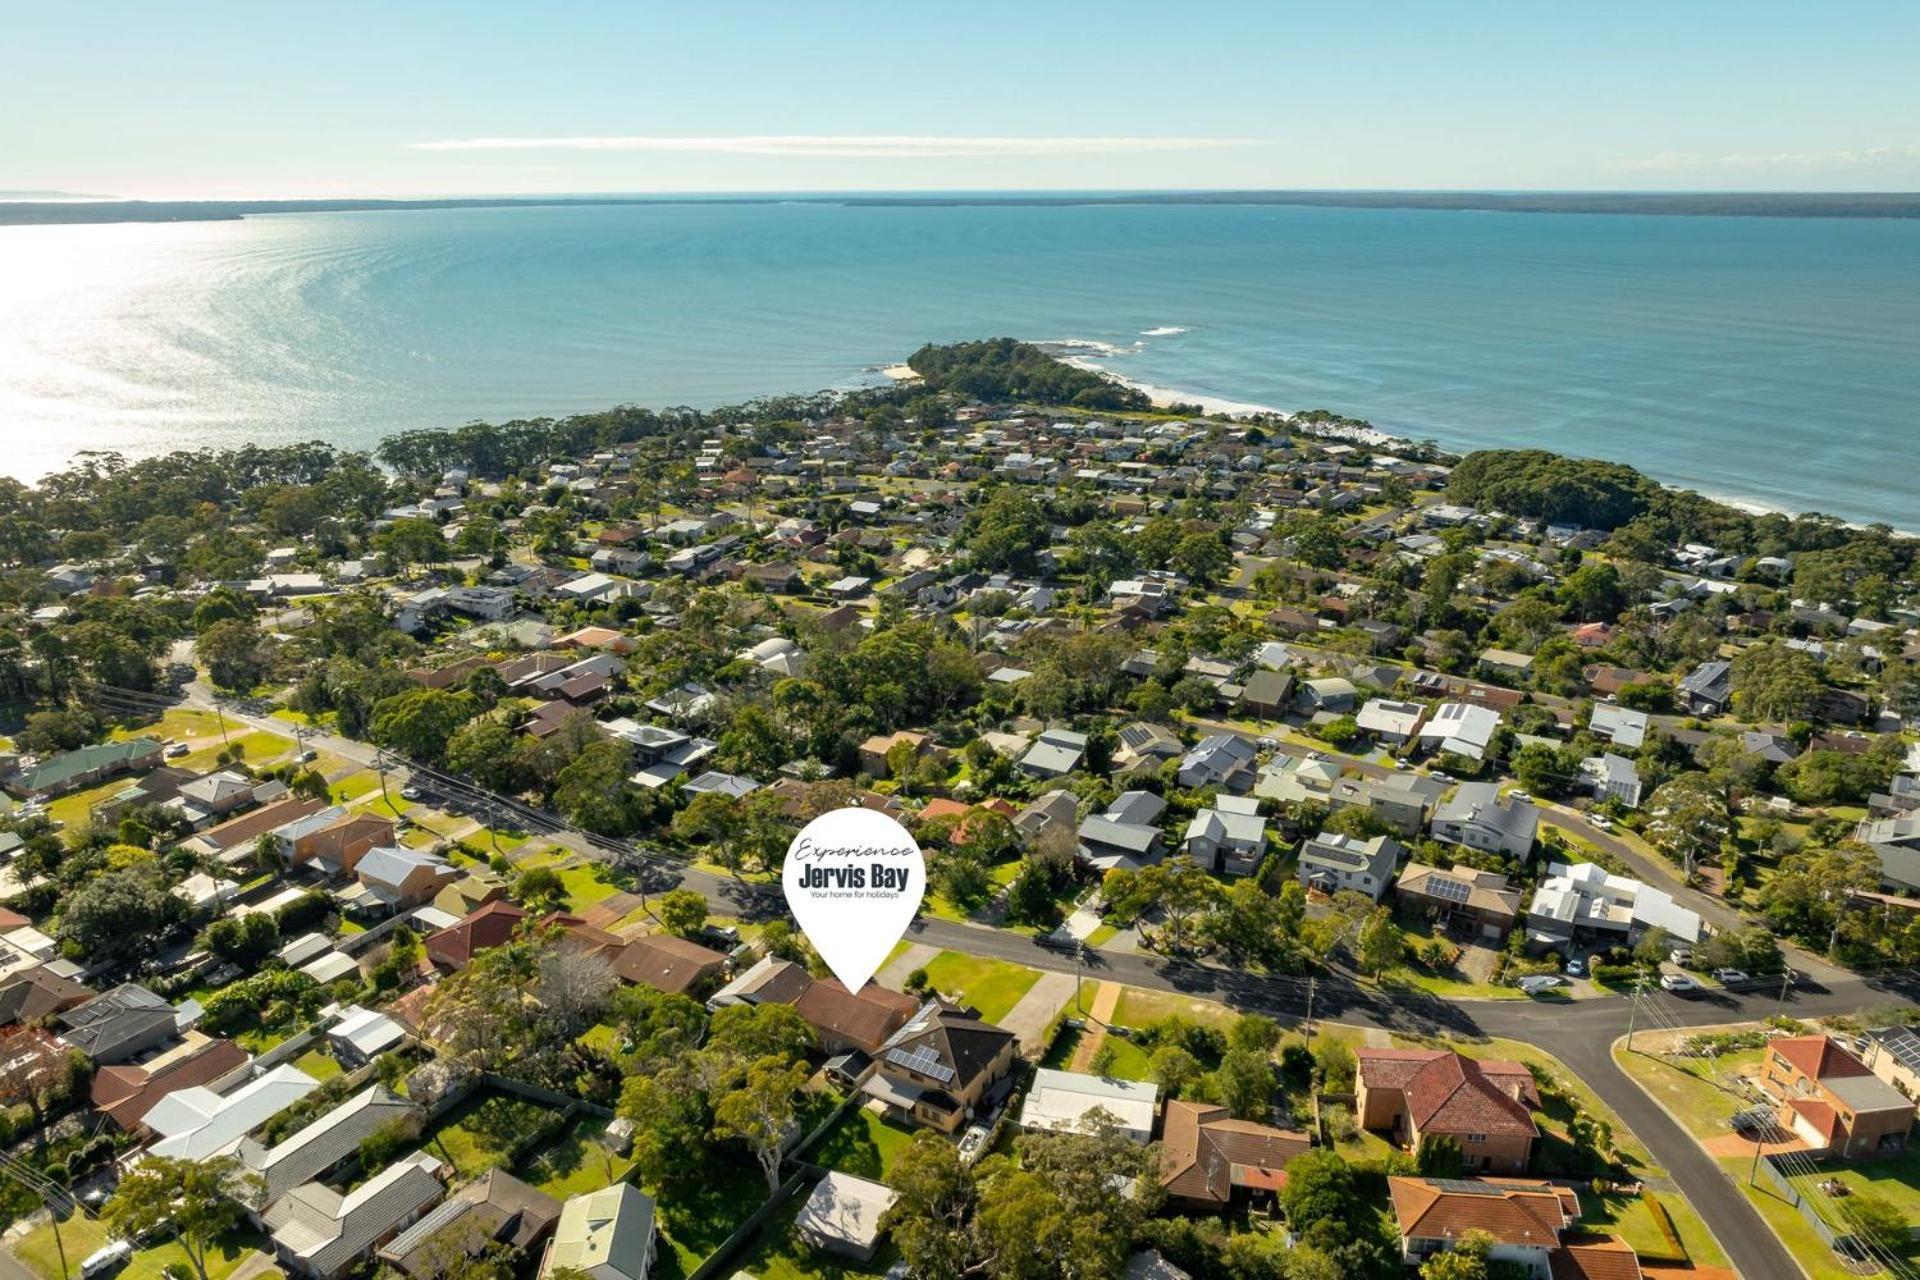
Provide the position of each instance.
(108, 1257)
(409, 793)
(1439, 776)
(1525, 797)
(1400, 762)
(1681, 956)
(1729, 977)
(175, 751)
(1601, 821)
(1678, 983)
(1576, 968)
(1538, 984)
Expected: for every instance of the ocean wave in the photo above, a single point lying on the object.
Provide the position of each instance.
(1165, 331)
(1099, 347)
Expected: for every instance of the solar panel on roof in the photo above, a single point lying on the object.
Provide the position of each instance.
(1904, 1046)
(923, 1060)
(1450, 890)
(1463, 1187)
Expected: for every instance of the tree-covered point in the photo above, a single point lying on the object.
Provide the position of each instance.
(1008, 369)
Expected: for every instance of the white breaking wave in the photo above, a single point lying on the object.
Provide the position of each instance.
(1165, 331)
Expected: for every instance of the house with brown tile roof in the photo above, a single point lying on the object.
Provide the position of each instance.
(337, 847)
(238, 834)
(126, 1092)
(492, 925)
(39, 992)
(847, 1021)
(1484, 1106)
(1595, 1258)
(1831, 1101)
(1524, 1219)
(669, 964)
(1208, 1159)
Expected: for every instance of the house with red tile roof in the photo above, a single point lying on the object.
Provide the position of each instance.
(1831, 1101)
(1524, 1220)
(847, 1021)
(492, 925)
(1209, 1161)
(1484, 1106)
(124, 1093)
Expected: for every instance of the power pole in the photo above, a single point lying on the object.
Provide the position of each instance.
(1786, 981)
(1633, 1010)
(1311, 985)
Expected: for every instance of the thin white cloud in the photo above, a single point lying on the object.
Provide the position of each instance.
(879, 146)
(1776, 161)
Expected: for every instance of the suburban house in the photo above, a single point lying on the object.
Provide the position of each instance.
(1209, 1161)
(1472, 904)
(1478, 816)
(319, 1233)
(666, 963)
(941, 1067)
(1223, 760)
(1294, 779)
(1832, 1101)
(1459, 728)
(1390, 721)
(335, 846)
(1331, 862)
(1707, 690)
(770, 980)
(609, 1234)
(119, 1025)
(455, 946)
(1268, 694)
(315, 1151)
(1056, 810)
(232, 841)
(843, 1215)
(1526, 1221)
(494, 1209)
(1054, 754)
(82, 767)
(1583, 902)
(1126, 835)
(1401, 801)
(1484, 1106)
(392, 878)
(1893, 1054)
(1074, 1102)
(125, 1092)
(1612, 777)
(1622, 726)
(847, 1022)
(1146, 746)
(197, 1124)
(1230, 837)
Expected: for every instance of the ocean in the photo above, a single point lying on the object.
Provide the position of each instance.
(1771, 361)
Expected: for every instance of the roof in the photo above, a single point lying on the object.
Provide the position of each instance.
(57, 771)
(842, 1207)
(327, 1230)
(490, 926)
(945, 1044)
(867, 1019)
(610, 1228)
(1594, 1258)
(320, 1145)
(1461, 887)
(1448, 1093)
(667, 963)
(1205, 1152)
(769, 981)
(1513, 1212)
(109, 1022)
(34, 993)
(368, 1030)
(495, 1208)
(197, 1123)
(1065, 1100)
(1481, 803)
(1818, 1056)
(126, 1093)
(240, 830)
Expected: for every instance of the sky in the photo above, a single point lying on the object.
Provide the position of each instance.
(406, 98)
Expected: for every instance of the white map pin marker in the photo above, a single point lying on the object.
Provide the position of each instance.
(854, 879)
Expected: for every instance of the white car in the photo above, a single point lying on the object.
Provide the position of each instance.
(1576, 968)
(1681, 956)
(177, 750)
(1678, 983)
(1602, 821)
(1730, 977)
(1438, 776)
(1538, 984)
(1524, 797)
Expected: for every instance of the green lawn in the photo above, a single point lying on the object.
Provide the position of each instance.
(575, 1163)
(1632, 1219)
(255, 747)
(1140, 1007)
(783, 1256)
(696, 1219)
(991, 986)
(355, 785)
(862, 1144)
(82, 1236)
(1102, 936)
(478, 1136)
(585, 887)
(1896, 1179)
(178, 723)
(319, 1064)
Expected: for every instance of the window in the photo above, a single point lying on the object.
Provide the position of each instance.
(1476, 1138)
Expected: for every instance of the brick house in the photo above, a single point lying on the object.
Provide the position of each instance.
(1485, 1106)
(1830, 1100)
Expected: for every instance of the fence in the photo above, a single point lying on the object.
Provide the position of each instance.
(1843, 1244)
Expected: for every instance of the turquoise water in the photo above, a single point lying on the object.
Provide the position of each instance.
(1774, 361)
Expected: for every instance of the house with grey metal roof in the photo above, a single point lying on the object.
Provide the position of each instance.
(1479, 817)
(319, 1148)
(319, 1233)
(1333, 863)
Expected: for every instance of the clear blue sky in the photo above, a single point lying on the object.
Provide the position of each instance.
(215, 99)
